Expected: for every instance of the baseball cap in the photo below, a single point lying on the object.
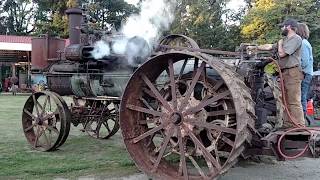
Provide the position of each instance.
(289, 22)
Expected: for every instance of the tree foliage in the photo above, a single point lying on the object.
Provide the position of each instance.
(202, 21)
(22, 17)
(17, 16)
(260, 24)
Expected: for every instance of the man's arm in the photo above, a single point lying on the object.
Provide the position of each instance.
(281, 51)
(265, 47)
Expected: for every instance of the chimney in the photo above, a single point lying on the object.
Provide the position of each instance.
(75, 18)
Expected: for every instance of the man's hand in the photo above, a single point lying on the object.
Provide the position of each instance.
(251, 48)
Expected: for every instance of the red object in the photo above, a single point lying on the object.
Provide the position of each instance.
(310, 109)
(15, 39)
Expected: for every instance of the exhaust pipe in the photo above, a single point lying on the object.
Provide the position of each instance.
(75, 18)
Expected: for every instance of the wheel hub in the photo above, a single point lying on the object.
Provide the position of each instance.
(176, 118)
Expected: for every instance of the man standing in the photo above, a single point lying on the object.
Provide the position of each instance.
(289, 51)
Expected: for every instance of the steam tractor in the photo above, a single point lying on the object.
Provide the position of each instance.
(185, 112)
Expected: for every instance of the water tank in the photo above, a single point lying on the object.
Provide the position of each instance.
(45, 49)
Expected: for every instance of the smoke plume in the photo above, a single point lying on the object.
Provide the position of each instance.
(140, 30)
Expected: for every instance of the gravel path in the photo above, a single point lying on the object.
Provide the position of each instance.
(267, 169)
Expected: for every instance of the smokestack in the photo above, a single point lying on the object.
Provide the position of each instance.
(75, 17)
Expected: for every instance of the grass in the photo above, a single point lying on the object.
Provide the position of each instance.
(81, 155)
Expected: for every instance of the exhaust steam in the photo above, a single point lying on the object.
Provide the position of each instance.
(140, 32)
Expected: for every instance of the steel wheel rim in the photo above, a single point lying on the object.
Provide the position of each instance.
(39, 124)
(134, 137)
(105, 126)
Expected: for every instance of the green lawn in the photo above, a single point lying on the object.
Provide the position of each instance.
(81, 155)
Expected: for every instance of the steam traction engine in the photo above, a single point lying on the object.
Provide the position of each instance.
(185, 113)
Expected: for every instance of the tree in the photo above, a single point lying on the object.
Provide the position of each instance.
(51, 16)
(18, 16)
(110, 13)
(260, 25)
(203, 21)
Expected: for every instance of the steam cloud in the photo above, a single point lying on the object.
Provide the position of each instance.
(140, 30)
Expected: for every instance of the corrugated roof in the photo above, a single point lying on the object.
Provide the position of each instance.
(15, 39)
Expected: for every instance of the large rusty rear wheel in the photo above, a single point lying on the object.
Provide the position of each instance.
(186, 116)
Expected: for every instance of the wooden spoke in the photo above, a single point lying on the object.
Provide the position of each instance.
(203, 149)
(183, 163)
(173, 85)
(182, 68)
(205, 103)
(163, 148)
(193, 84)
(29, 128)
(30, 114)
(222, 112)
(156, 93)
(148, 133)
(144, 110)
(211, 126)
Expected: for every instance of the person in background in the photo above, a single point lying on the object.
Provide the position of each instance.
(14, 86)
(306, 63)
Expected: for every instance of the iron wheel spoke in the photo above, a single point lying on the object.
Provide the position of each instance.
(51, 128)
(218, 85)
(45, 104)
(193, 84)
(107, 126)
(203, 149)
(183, 163)
(99, 123)
(144, 110)
(195, 164)
(29, 128)
(35, 104)
(182, 68)
(156, 93)
(227, 140)
(163, 148)
(30, 114)
(47, 140)
(173, 85)
(222, 112)
(148, 133)
(205, 103)
(211, 126)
